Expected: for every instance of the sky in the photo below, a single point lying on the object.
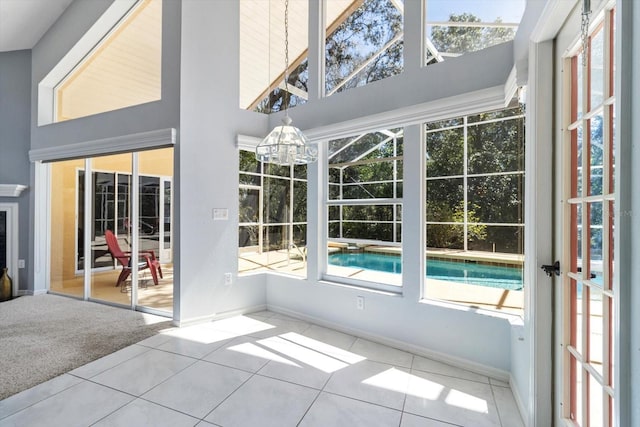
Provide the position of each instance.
(486, 10)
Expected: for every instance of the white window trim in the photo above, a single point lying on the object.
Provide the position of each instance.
(154, 139)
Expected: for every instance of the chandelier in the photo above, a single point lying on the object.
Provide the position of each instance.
(286, 144)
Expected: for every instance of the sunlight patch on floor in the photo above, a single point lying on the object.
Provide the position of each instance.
(256, 351)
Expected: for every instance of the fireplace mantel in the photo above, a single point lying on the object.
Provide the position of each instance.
(11, 190)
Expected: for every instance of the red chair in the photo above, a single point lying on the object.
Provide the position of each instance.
(146, 259)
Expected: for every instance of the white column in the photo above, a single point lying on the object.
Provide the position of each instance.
(539, 233)
(627, 215)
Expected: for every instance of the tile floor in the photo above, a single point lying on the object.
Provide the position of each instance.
(263, 369)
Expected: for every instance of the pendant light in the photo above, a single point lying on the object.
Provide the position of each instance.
(286, 144)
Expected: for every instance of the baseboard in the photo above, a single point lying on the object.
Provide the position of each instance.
(459, 362)
(25, 292)
(218, 316)
(519, 402)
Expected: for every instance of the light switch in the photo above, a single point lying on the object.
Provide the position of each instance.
(220, 214)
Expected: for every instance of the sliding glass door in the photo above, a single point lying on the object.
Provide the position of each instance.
(98, 201)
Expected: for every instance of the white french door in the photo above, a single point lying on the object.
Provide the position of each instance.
(588, 217)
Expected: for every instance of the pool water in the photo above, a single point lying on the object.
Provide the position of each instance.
(493, 276)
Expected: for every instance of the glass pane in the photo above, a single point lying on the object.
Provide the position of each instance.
(111, 276)
(362, 45)
(249, 210)
(104, 201)
(496, 147)
(596, 155)
(372, 145)
(445, 236)
(248, 236)
(459, 121)
(167, 215)
(596, 396)
(300, 201)
(445, 151)
(262, 55)
(122, 70)
(67, 237)
(276, 199)
(597, 69)
(496, 239)
(576, 409)
(608, 284)
(496, 199)
(278, 243)
(248, 162)
(455, 28)
(577, 165)
(596, 339)
(445, 200)
(576, 320)
(578, 237)
(595, 242)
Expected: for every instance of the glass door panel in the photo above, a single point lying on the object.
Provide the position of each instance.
(111, 279)
(588, 251)
(67, 228)
(155, 175)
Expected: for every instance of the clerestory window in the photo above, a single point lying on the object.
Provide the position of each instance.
(453, 28)
(122, 69)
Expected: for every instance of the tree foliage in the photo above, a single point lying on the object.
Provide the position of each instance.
(460, 39)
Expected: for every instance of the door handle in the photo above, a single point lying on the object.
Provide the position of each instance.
(551, 269)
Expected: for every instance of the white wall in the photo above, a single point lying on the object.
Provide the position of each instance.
(210, 120)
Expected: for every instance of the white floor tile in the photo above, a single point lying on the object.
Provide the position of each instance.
(372, 382)
(107, 362)
(243, 353)
(330, 337)
(35, 394)
(143, 372)
(143, 413)
(382, 353)
(193, 348)
(80, 405)
(155, 341)
(452, 400)
(280, 326)
(410, 420)
(299, 364)
(428, 365)
(264, 402)
(507, 407)
(198, 389)
(337, 411)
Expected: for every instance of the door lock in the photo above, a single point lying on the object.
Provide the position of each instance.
(551, 269)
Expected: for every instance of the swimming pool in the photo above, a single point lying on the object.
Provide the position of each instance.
(493, 276)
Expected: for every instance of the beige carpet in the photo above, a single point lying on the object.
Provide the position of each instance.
(44, 336)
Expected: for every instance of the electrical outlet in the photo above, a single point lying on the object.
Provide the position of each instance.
(20, 263)
(228, 279)
(360, 303)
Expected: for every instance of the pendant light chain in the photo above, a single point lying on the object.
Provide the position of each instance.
(286, 56)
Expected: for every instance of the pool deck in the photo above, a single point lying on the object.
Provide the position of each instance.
(481, 297)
